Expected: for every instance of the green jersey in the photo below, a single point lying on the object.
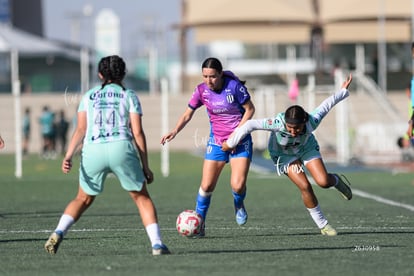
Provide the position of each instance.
(107, 113)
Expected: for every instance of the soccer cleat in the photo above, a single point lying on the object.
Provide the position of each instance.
(53, 243)
(241, 216)
(160, 249)
(328, 230)
(202, 233)
(343, 187)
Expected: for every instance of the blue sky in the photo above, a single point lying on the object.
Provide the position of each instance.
(136, 16)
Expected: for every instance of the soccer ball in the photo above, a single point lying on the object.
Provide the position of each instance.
(189, 223)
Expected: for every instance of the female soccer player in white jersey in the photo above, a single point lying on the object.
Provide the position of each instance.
(109, 127)
(292, 145)
(228, 106)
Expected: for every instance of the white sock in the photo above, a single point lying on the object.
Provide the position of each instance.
(64, 224)
(204, 194)
(154, 233)
(318, 217)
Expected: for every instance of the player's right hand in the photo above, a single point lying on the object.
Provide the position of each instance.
(168, 137)
(66, 165)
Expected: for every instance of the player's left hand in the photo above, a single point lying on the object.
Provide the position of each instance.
(347, 82)
(149, 176)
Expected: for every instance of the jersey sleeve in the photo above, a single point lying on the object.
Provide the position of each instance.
(134, 103)
(195, 101)
(248, 127)
(83, 103)
(320, 112)
(242, 94)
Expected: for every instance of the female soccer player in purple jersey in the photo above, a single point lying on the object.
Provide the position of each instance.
(292, 145)
(228, 106)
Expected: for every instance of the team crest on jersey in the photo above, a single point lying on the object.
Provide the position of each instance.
(269, 122)
(230, 98)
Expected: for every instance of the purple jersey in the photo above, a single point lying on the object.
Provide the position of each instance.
(224, 107)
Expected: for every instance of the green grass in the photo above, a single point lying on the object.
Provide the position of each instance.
(375, 238)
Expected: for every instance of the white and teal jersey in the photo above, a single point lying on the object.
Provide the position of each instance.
(281, 142)
(107, 112)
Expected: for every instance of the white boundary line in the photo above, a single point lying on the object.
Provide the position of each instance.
(383, 200)
(354, 191)
(252, 228)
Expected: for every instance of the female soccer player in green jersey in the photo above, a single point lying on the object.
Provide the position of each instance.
(292, 145)
(109, 128)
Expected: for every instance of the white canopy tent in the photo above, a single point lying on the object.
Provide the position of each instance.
(18, 43)
(30, 45)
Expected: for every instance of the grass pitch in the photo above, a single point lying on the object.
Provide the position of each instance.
(375, 228)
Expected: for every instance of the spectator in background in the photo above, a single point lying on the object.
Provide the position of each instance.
(1, 142)
(62, 126)
(294, 91)
(46, 123)
(406, 144)
(408, 93)
(26, 131)
(409, 133)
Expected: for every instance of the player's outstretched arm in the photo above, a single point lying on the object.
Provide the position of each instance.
(347, 82)
(240, 132)
(182, 122)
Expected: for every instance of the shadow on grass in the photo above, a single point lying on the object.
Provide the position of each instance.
(355, 233)
(59, 213)
(45, 239)
(218, 251)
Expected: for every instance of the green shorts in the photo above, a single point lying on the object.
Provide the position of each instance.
(120, 158)
(306, 153)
